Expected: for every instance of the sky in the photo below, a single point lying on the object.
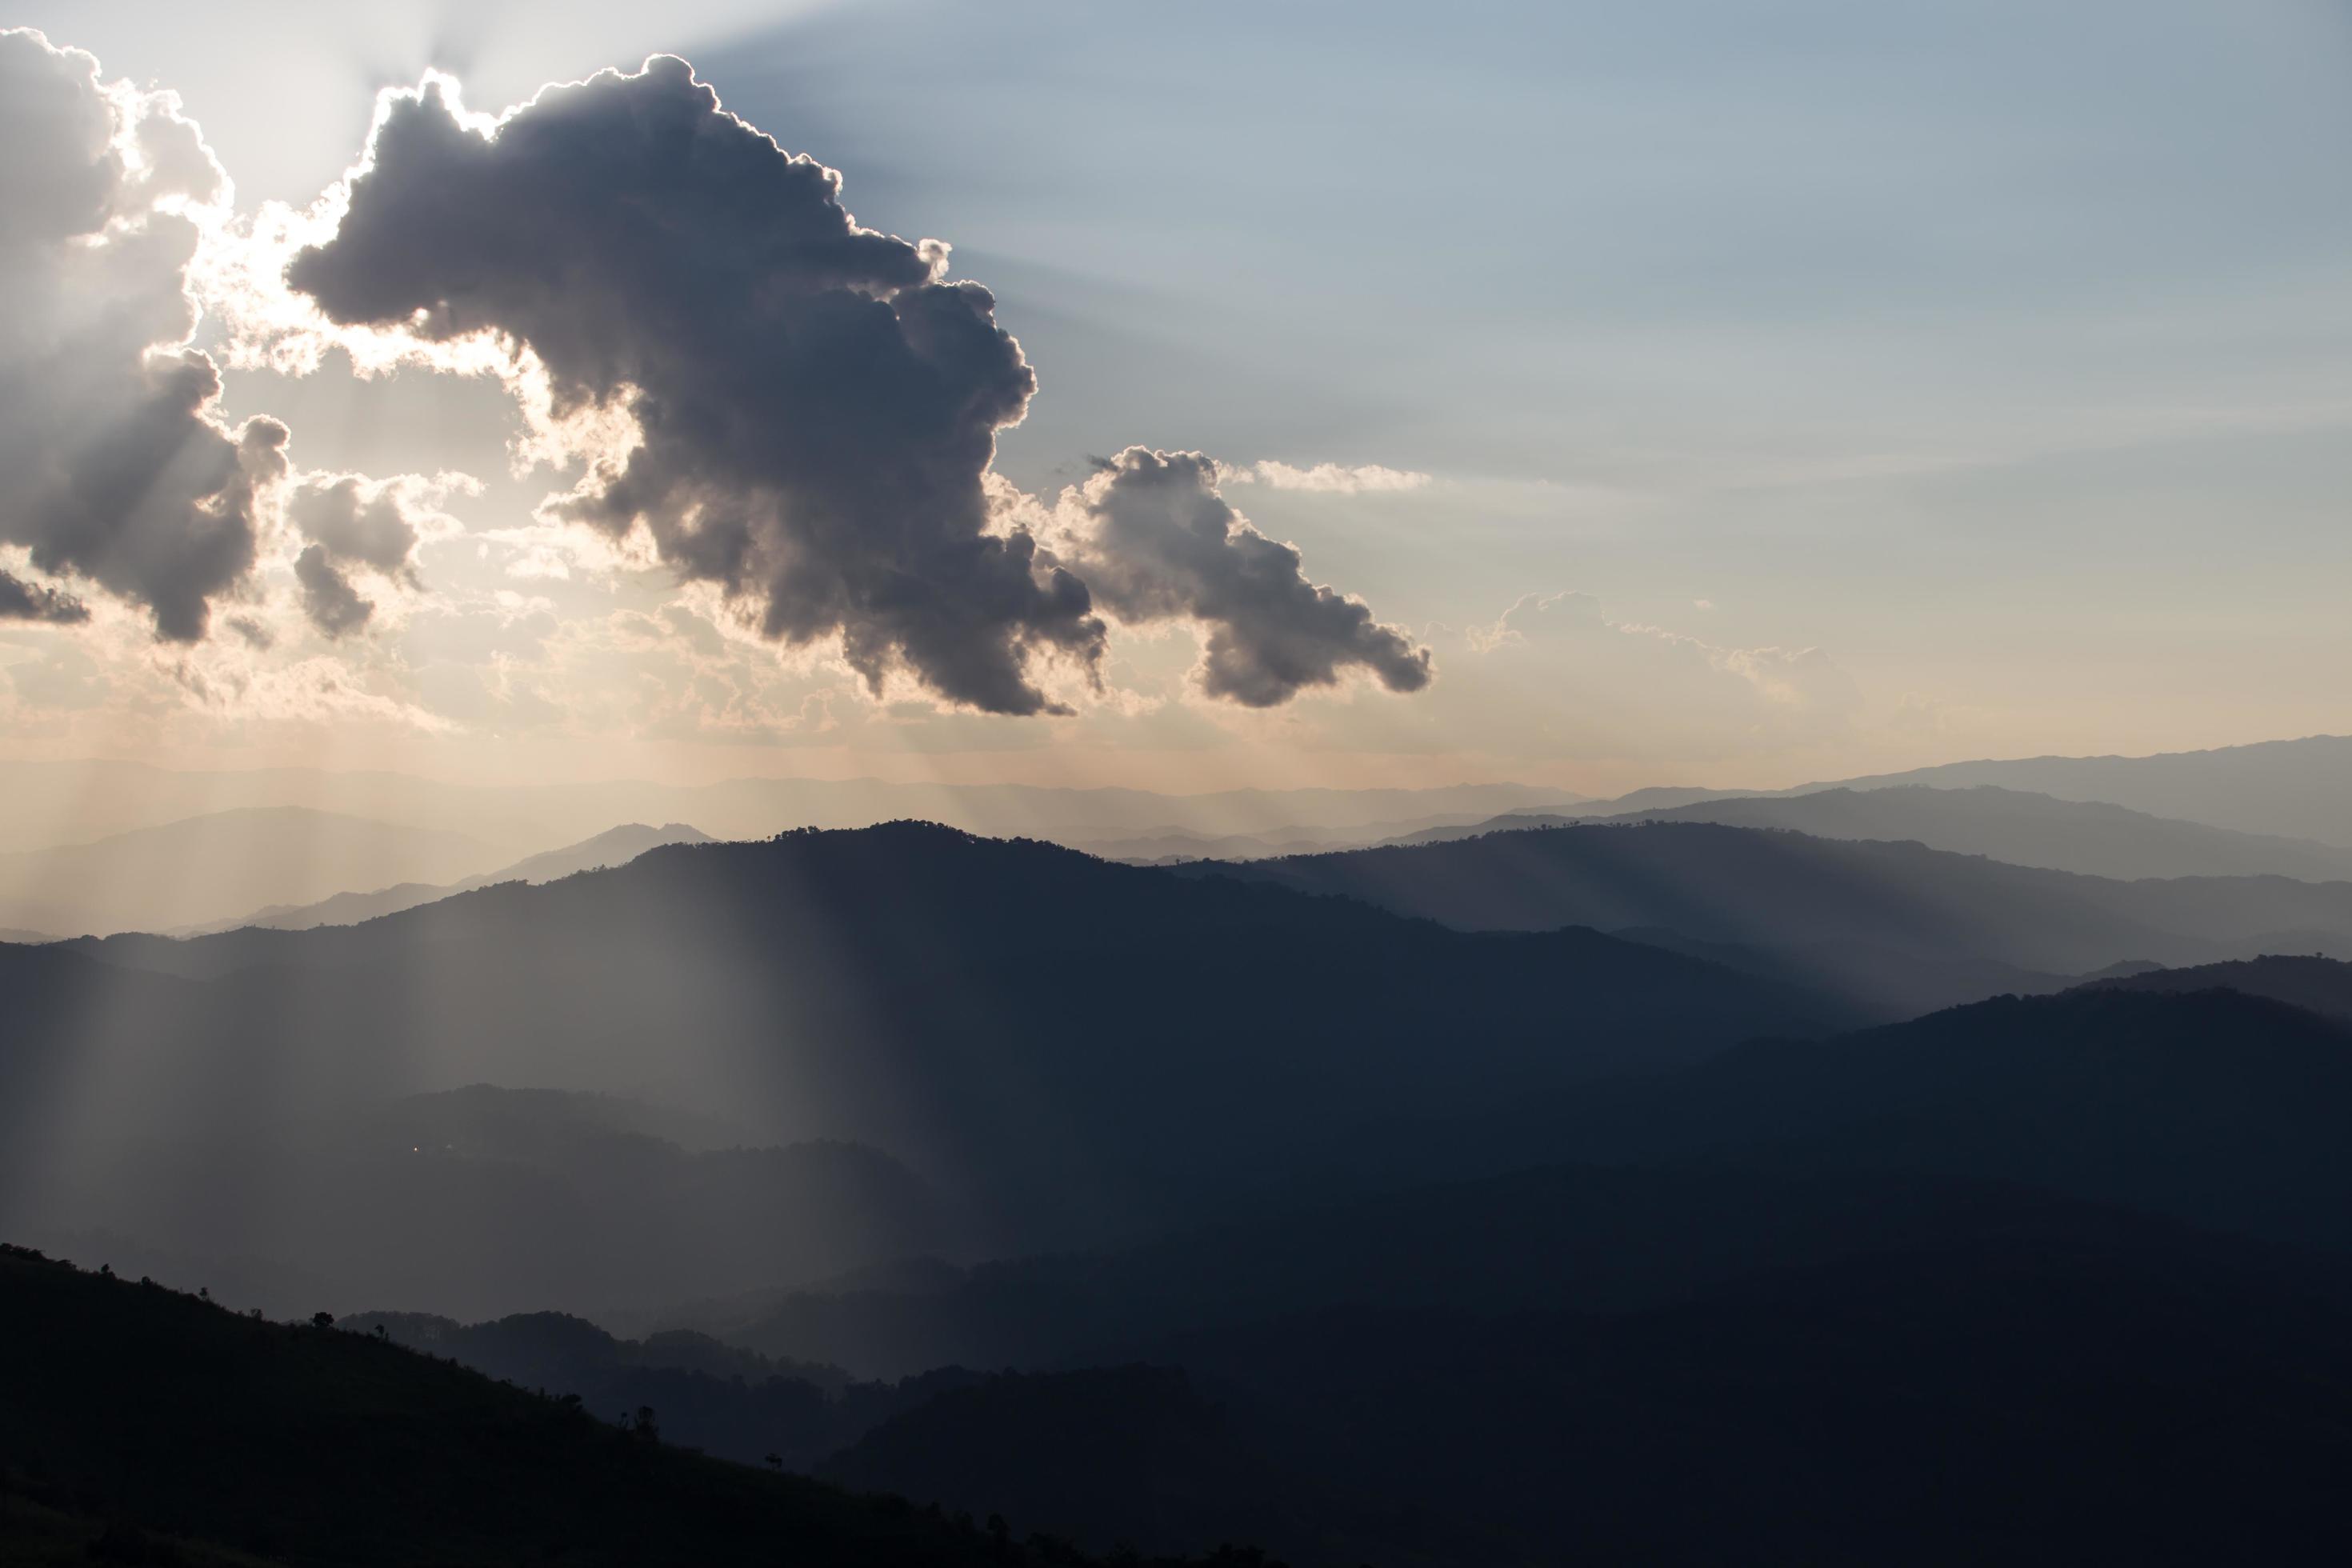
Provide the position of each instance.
(1591, 395)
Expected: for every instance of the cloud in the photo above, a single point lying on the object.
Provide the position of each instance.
(356, 521)
(1570, 676)
(353, 522)
(1156, 541)
(799, 410)
(1329, 478)
(811, 404)
(333, 604)
(1529, 612)
(23, 600)
(118, 468)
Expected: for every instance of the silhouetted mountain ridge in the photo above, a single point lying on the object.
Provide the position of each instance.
(1776, 890)
(1073, 1048)
(2090, 838)
(2321, 985)
(220, 866)
(613, 847)
(145, 1426)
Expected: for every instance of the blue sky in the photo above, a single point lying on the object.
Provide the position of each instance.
(1996, 359)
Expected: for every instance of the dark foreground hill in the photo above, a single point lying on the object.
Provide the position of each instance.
(2214, 1107)
(1565, 1238)
(2027, 1399)
(143, 1425)
(1691, 1366)
(1551, 1366)
(2211, 1109)
(1067, 1047)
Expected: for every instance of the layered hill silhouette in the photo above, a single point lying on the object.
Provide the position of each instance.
(2078, 1394)
(1785, 890)
(2294, 789)
(2208, 1108)
(2321, 985)
(1485, 1370)
(1068, 1047)
(1271, 1213)
(145, 1426)
(66, 802)
(221, 866)
(720, 1398)
(2299, 788)
(1584, 1238)
(486, 1201)
(2025, 829)
(613, 847)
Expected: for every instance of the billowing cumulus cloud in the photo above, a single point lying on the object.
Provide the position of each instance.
(1156, 541)
(813, 405)
(23, 600)
(797, 409)
(118, 471)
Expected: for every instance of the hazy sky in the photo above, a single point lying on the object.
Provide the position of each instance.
(1717, 393)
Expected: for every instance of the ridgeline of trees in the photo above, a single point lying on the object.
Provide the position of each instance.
(142, 1424)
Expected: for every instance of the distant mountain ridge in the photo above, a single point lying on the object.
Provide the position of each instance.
(2294, 789)
(1778, 889)
(613, 847)
(489, 1200)
(1074, 1046)
(216, 867)
(55, 802)
(2092, 837)
(2315, 985)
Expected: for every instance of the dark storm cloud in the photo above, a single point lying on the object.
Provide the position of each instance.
(118, 470)
(1160, 543)
(23, 600)
(817, 407)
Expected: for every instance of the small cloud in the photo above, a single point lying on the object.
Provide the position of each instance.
(1510, 628)
(1156, 541)
(1702, 603)
(333, 605)
(1329, 478)
(23, 600)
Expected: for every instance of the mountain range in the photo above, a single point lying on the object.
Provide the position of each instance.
(1000, 1017)
(60, 802)
(1274, 1213)
(613, 847)
(2294, 789)
(2090, 838)
(218, 866)
(1776, 890)
(147, 1426)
